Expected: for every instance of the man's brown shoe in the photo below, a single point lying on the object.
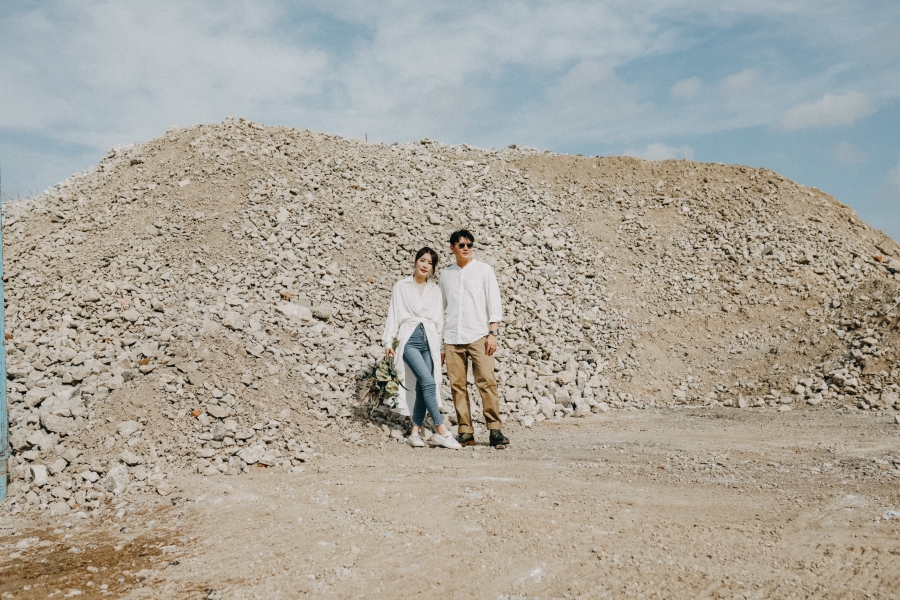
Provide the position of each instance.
(466, 439)
(498, 440)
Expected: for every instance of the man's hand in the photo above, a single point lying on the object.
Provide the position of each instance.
(442, 358)
(490, 345)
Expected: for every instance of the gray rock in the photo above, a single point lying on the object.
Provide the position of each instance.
(528, 239)
(219, 431)
(117, 479)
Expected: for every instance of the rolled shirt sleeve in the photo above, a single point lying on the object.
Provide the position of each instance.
(393, 322)
(494, 304)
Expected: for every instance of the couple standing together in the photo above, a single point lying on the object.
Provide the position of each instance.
(464, 309)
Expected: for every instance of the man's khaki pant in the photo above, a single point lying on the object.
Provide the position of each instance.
(457, 358)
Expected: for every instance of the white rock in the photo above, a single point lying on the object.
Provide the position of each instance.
(57, 424)
(300, 314)
(130, 458)
(39, 475)
(128, 428)
(89, 476)
(218, 411)
(233, 320)
(252, 454)
(131, 315)
(57, 466)
(58, 508)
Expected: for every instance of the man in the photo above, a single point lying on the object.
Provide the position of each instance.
(471, 320)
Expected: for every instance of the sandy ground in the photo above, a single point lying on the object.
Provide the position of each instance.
(690, 503)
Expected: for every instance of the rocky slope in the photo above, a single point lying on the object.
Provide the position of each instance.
(210, 300)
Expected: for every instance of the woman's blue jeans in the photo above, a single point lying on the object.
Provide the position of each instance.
(417, 357)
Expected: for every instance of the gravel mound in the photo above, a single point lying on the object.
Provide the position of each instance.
(211, 300)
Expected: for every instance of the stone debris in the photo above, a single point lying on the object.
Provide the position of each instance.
(211, 301)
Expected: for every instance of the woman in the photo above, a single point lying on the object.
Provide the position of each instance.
(416, 319)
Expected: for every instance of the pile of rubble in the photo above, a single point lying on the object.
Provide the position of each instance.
(211, 300)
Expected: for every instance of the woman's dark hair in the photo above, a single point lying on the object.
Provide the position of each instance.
(434, 259)
(462, 234)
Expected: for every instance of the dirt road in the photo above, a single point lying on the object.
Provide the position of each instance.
(715, 503)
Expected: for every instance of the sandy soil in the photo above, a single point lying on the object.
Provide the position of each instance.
(688, 503)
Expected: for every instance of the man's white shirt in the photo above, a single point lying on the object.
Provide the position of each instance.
(471, 301)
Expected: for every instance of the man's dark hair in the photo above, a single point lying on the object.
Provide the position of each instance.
(462, 234)
(434, 259)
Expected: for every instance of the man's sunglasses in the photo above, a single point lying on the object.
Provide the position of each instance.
(463, 246)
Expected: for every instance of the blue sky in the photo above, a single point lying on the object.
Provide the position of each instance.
(810, 89)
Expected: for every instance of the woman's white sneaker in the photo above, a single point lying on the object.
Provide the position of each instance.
(446, 441)
(415, 441)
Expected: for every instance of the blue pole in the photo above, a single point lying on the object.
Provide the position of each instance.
(4, 417)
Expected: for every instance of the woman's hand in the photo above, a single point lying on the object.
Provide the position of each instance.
(388, 352)
(442, 358)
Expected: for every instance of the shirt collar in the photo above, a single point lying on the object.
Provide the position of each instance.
(458, 268)
(410, 281)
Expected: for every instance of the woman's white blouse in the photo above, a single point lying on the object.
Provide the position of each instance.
(408, 309)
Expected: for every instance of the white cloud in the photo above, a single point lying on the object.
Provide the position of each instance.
(687, 88)
(746, 82)
(660, 151)
(560, 75)
(829, 111)
(847, 154)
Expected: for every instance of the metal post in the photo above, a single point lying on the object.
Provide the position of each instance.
(4, 418)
